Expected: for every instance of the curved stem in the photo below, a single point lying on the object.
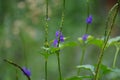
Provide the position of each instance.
(14, 64)
(115, 57)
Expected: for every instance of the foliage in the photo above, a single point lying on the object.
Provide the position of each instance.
(28, 39)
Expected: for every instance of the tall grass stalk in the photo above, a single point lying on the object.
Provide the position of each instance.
(104, 45)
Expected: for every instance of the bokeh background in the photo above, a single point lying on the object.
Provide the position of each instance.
(22, 35)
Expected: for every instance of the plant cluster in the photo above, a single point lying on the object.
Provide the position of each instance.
(98, 70)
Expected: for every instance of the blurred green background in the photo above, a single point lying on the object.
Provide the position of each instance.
(22, 33)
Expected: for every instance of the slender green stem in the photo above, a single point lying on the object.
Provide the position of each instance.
(88, 8)
(99, 61)
(63, 16)
(86, 29)
(115, 57)
(81, 59)
(46, 61)
(58, 52)
(46, 9)
(106, 29)
(88, 13)
(46, 23)
(103, 48)
(59, 66)
(46, 39)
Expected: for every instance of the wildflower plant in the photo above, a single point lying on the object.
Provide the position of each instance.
(53, 47)
(85, 36)
(111, 17)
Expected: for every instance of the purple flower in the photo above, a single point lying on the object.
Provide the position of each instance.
(55, 43)
(26, 71)
(84, 37)
(61, 38)
(89, 20)
(58, 35)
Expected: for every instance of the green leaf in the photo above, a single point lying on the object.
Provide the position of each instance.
(92, 41)
(114, 41)
(74, 78)
(116, 70)
(105, 69)
(78, 77)
(46, 51)
(54, 49)
(68, 44)
(115, 74)
(96, 41)
(88, 67)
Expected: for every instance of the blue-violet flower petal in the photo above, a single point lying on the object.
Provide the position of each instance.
(84, 37)
(61, 38)
(55, 43)
(26, 71)
(89, 20)
(58, 33)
